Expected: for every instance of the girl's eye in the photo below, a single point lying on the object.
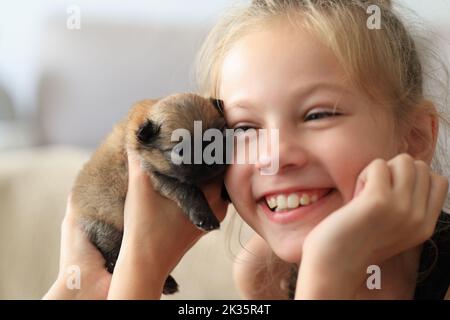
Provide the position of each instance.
(320, 115)
(243, 128)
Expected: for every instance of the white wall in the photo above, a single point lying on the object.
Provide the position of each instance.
(437, 11)
(21, 22)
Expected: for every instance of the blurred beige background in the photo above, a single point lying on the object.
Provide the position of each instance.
(62, 90)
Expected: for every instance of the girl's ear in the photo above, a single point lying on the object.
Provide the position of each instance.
(422, 137)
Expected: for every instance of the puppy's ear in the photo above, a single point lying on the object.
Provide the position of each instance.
(148, 132)
(218, 104)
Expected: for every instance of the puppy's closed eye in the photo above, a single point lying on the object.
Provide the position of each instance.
(148, 132)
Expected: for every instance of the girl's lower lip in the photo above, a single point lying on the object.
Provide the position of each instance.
(295, 214)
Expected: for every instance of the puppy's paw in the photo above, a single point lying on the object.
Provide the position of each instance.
(170, 286)
(206, 221)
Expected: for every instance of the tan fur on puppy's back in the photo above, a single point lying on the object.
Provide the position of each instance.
(101, 187)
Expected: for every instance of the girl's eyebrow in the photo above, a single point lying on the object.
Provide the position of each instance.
(298, 93)
(238, 105)
(303, 91)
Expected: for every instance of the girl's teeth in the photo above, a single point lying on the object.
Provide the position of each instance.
(293, 201)
(281, 202)
(304, 200)
(272, 202)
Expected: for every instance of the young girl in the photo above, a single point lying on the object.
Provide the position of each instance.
(357, 137)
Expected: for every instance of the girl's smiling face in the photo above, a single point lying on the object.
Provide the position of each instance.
(285, 79)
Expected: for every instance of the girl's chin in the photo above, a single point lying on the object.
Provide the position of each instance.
(287, 244)
(290, 258)
(288, 252)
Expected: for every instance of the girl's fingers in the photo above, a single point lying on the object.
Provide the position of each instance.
(134, 162)
(376, 176)
(69, 216)
(143, 203)
(141, 191)
(421, 191)
(69, 226)
(139, 184)
(360, 183)
(75, 245)
(403, 176)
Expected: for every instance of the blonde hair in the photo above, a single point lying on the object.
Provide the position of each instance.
(392, 65)
(386, 63)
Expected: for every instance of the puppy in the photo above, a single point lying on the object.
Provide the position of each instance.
(100, 189)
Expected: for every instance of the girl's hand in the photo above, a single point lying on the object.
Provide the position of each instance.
(82, 273)
(157, 234)
(395, 207)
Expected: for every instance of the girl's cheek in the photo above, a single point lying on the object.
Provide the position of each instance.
(345, 173)
(348, 173)
(348, 178)
(238, 183)
(240, 191)
(232, 176)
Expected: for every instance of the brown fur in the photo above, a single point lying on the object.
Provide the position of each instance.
(100, 189)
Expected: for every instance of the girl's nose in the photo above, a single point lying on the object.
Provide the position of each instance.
(263, 161)
(287, 152)
(292, 152)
